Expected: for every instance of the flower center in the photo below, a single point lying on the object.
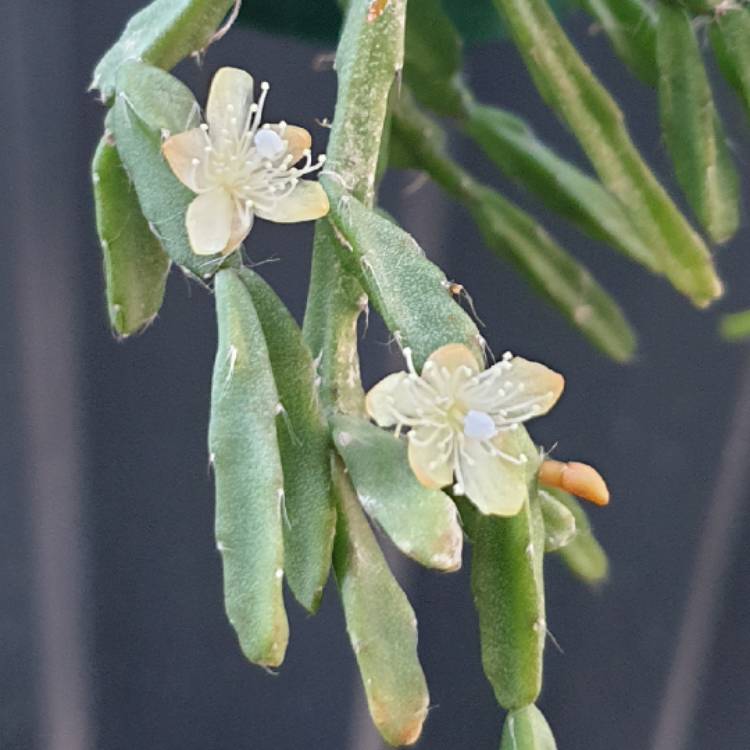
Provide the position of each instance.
(479, 425)
(251, 162)
(268, 144)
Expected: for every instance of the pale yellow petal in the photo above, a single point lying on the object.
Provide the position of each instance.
(298, 140)
(306, 202)
(209, 222)
(229, 101)
(495, 485)
(432, 467)
(449, 367)
(539, 380)
(241, 226)
(514, 390)
(181, 152)
(453, 356)
(387, 400)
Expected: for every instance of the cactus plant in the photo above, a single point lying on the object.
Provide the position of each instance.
(301, 471)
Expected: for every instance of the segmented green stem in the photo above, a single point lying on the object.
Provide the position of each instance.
(368, 59)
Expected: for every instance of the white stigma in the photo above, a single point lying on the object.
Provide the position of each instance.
(268, 144)
(479, 425)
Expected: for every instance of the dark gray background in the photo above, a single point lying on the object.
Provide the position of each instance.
(112, 633)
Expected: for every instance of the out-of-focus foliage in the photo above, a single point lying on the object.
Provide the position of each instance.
(319, 21)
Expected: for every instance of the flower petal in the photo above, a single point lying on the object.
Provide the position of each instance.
(298, 140)
(425, 457)
(384, 398)
(209, 222)
(229, 101)
(453, 356)
(391, 399)
(306, 202)
(181, 150)
(241, 226)
(495, 485)
(514, 390)
(449, 367)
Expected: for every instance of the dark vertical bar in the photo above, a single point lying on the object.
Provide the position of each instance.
(40, 117)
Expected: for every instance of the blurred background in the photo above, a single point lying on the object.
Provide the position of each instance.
(112, 630)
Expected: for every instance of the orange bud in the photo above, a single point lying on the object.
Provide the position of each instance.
(579, 479)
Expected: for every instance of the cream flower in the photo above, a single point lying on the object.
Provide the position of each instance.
(240, 169)
(462, 421)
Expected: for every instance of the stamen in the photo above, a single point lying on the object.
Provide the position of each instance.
(516, 460)
(409, 360)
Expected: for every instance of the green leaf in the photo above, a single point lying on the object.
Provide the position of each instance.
(305, 448)
(729, 33)
(421, 522)
(161, 34)
(432, 59)
(135, 265)
(631, 27)
(583, 556)
(527, 729)
(380, 622)
(162, 101)
(478, 21)
(692, 130)
(506, 579)
(557, 276)
(736, 326)
(410, 293)
(572, 90)
(163, 198)
(249, 480)
(559, 522)
(564, 188)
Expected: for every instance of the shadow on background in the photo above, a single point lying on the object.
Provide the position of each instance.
(112, 632)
